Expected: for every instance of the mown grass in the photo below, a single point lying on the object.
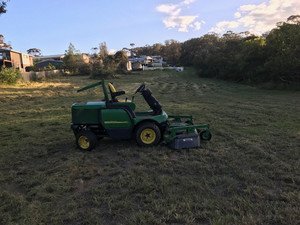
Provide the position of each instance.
(249, 173)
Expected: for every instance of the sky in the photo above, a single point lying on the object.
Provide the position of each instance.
(51, 25)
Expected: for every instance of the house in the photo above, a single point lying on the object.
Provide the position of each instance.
(129, 66)
(144, 60)
(150, 61)
(58, 57)
(46, 64)
(85, 57)
(12, 58)
(136, 66)
(157, 59)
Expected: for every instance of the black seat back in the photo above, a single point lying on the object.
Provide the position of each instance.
(152, 102)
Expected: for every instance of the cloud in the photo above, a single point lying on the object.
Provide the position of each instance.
(187, 2)
(180, 22)
(197, 25)
(112, 51)
(223, 26)
(237, 15)
(174, 20)
(260, 18)
(168, 9)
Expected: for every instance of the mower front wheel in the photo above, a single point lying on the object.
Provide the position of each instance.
(86, 140)
(205, 135)
(147, 134)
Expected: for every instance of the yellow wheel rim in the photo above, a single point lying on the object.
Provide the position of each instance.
(84, 142)
(148, 136)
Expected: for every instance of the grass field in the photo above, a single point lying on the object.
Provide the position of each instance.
(249, 173)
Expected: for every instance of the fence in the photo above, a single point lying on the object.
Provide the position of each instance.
(179, 69)
(31, 76)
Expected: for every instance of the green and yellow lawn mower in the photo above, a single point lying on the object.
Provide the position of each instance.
(117, 119)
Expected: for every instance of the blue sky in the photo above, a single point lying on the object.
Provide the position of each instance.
(51, 25)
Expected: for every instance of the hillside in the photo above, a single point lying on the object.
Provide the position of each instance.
(247, 174)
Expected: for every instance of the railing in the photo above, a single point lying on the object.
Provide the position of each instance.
(4, 58)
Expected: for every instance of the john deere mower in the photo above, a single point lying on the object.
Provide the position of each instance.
(116, 118)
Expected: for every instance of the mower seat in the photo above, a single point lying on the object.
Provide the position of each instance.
(114, 93)
(119, 102)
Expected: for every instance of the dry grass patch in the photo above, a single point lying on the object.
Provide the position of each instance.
(247, 174)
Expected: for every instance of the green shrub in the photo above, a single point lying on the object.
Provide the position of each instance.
(9, 75)
(102, 73)
(98, 70)
(51, 67)
(85, 69)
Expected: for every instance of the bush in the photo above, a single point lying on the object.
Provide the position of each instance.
(99, 71)
(10, 75)
(51, 67)
(102, 73)
(85, 69)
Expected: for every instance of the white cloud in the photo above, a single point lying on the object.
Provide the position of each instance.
(112, 51)
(197, 25)
(174, 20)
(223, 26)
(237, 15)
(187, 2)
(168, 9)
(260, 18)
(249, 7)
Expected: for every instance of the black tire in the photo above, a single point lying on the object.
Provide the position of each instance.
(205, 136)
(147, 134)
(86, 140)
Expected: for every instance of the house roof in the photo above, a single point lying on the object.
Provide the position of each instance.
(145, 57)
(46, 63)
(49, 60)
(49, 56)
(11, 50)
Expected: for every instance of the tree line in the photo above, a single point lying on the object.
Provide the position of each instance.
(273, 57)
(101, 63)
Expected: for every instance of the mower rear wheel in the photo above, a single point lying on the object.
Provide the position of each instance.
(147, 134)
(205, 136)
(86, 140)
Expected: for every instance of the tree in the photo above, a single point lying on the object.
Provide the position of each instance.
(121, 60)
(103, 50)
(172, 52)
(95, 54)
(252, 59)
(157, 49)
(71, 50)
(34, 51)
(73, 61)
(282, 46)
(132, 53)
(121, 56)
(294, 19)
(189, 50)
(127, 50)
(240, 57)
(2, 7)
(4, 45)
(94, 49)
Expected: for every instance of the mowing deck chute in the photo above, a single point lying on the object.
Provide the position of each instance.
(183, 134)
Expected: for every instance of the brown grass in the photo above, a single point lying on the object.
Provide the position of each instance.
(247, 174)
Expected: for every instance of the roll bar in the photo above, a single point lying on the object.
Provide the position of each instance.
(102, 82)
